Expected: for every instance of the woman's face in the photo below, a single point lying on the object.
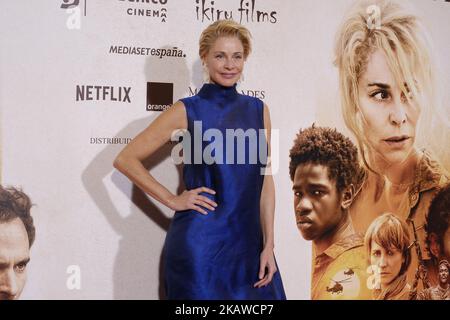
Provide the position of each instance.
(389, 261)
(389, 119)
(225, 61)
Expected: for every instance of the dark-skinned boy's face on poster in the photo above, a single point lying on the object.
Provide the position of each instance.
(389, 119)
(317, 203)
(14, 256)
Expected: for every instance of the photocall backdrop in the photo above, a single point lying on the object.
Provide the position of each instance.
(79, 79)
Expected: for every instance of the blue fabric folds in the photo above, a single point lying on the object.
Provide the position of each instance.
(216, 256)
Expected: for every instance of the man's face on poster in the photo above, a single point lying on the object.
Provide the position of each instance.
(14, 257)
(443, 274)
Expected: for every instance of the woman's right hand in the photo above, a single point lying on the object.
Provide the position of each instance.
(191, 199)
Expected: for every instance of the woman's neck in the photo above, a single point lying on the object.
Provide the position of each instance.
(398, 174)
(444, 285)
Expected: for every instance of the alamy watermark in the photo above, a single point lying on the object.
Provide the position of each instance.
(72, 8)
(236, 147)
(374, 17)
(73, 281)
(374, 278)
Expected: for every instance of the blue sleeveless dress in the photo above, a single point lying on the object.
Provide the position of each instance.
(216, 256)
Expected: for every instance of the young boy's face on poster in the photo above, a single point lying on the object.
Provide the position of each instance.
(317, 203)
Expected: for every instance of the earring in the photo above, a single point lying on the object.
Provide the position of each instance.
(205, 71)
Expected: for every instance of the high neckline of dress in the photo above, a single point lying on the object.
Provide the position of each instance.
(216, 91)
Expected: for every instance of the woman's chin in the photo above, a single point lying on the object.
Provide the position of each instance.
(395, 157)
(225, 82)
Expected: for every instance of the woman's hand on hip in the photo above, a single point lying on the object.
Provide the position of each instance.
(192, 199)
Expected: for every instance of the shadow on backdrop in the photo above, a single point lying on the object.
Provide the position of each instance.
(133, 262)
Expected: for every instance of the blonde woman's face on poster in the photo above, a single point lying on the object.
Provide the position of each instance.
(389, 119)
(388, 260)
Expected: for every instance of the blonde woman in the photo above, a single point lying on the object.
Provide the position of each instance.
(387, 244)
(220, 243)
(387, 89)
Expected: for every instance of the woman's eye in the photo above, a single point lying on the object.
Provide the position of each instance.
(376, 253)
(380, 95)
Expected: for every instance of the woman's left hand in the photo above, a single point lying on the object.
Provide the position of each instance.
(267, 268)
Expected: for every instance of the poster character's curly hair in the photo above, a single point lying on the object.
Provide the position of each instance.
(438, 219)
(327, 147)
(16, 204)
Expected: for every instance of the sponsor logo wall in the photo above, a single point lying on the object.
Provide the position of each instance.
(76, 75)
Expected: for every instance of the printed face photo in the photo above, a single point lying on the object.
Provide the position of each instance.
(389, 262)
(14, 257)
(389, 119)
(317, 203)
(443, 274)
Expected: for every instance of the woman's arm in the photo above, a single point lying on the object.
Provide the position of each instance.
(129, 162)
(267, 211)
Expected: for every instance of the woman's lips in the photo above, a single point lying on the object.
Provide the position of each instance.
(397, 138)
(397, 141)
(228, 75)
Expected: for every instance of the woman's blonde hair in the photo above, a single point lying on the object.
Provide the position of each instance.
(389, 232)
(384, 25)
(224, 28)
